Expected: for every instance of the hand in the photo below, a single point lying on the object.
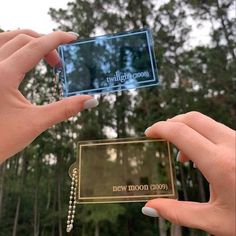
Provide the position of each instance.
(21, 121)
(211, 146)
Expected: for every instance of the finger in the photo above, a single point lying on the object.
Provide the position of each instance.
(51, 114)
(209, 128)
(188, 214)
(196, 147)
(8, 35)
(52, 58)
(35, 50)
(13, 45)
(21, 40)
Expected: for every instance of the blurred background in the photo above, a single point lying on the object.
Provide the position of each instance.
(195, 48)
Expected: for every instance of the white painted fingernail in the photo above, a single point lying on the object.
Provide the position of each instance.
(148, 211)
(145, 132)
(178, 157)
(194, 165)
(73, 33)
(91, 103)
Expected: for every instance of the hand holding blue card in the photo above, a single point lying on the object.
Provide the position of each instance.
(108, 63)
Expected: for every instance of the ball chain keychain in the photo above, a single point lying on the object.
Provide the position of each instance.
(57, 93)
(72, 201)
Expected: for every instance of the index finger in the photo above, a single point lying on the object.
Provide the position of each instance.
(199, 149)
(35, 50)
(214, 131)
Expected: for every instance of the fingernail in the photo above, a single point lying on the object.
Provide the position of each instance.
(148, 211)
(73, 33)
(91, 103)
(178, 157)
(194, 166)
(146, 131)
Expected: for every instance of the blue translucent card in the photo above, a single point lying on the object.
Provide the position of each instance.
(108, 63)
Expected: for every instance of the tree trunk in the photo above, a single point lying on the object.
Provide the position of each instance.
(16, 216)
(183, 181)
(48, 195)
(21, 189)
(36, 209)
(162, 227)
(36, 225)
(97, 229)
(83, 233)
(176, 230)
(202, 194)
(54, 210)
(2, 174)
(59, 195)
(120, 115)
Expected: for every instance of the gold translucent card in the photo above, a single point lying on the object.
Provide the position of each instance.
(124, 170)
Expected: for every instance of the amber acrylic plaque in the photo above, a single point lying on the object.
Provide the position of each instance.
(124, 170)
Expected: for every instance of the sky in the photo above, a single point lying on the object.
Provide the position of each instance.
(31, 14)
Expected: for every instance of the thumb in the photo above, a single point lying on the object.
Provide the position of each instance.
(56, 112)
(189, 214)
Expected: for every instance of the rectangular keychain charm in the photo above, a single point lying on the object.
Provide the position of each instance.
(108, 63)
(124, 170)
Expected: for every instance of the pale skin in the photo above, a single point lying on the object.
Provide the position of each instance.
(20, 121)
(209, 144)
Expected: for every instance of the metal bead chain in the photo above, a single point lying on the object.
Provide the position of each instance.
(72, 201)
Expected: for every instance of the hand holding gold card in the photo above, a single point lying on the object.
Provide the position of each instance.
(122, 170)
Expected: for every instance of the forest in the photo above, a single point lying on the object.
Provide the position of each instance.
(197, 72)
